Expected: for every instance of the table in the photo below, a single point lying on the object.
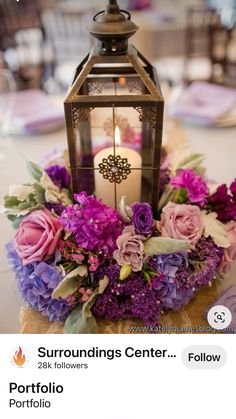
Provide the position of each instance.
(219, 145)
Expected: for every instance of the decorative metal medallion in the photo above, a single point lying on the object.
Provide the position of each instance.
(115, 168)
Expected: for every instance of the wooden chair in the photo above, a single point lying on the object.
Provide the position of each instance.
(21, 39)
(207, 37)
(65, 28)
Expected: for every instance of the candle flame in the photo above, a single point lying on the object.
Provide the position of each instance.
(117, 137)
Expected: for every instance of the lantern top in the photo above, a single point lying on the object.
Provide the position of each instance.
(113, 27)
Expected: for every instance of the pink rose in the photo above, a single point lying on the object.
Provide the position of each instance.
(37, 237)
(180, 221)
(130, 249)
(230, 252)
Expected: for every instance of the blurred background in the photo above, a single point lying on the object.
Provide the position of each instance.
(42, 41)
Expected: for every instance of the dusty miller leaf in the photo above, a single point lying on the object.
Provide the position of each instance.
(166, 196)
(164, 245)
(192, 161)
(125, 210)
(70, 283)
(77, 323)
(81, 319)
(215, 229)
(35, 171)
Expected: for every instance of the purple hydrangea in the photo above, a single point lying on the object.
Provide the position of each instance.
(94, 225)
(59, 175)
(170, 292)
(172, 295)
(194, 184)
(142, 218)
(36, 283)
(132, 298)
(224, 203)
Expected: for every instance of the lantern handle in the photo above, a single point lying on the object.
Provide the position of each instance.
(103, 11)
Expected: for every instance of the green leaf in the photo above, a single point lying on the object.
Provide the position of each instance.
(39, 193)
(15, 220)
(81, 319)
(146, 276)
(180, 196)
(70, 282)
(35, 171)
(77, 323)
(192, 161)
(215, 229)
(21, 192)
(164, 245)
(11, 201)
(166, 196)
(125, 210)
(125, 272)
(103, 284)
(66, 288)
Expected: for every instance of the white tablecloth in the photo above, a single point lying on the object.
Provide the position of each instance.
(219, 145)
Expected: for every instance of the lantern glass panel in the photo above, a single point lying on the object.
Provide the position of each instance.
(115, 155)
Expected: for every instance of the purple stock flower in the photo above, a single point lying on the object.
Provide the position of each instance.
(142, 218)
(194, 184)
(36, 283)
(94, 225)
(59, 175)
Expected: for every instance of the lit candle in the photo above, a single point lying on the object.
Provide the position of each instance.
(129, 187)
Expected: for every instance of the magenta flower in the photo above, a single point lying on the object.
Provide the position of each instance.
(223, 202)
(95, 226)
(94, 263)
(194, 184)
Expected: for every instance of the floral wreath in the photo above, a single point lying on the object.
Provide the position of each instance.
(76, 259)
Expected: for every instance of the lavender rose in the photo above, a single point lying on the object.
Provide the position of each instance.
(142, 218)
(37, 237)
(130, 249)
(182, 222)
(230, 252)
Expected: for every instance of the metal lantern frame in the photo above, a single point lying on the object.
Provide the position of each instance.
(105, 60)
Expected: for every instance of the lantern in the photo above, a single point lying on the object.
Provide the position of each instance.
(114, 117)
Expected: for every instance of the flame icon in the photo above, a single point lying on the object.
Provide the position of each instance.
(19, 358)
